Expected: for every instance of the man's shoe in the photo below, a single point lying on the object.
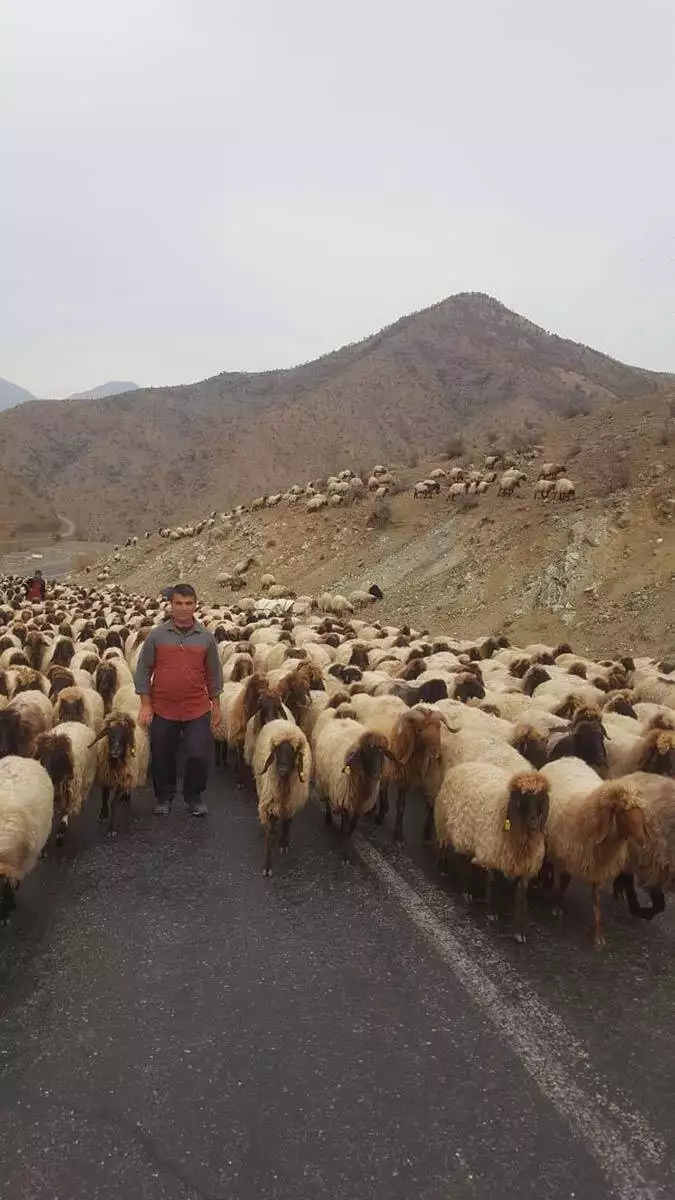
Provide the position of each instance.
(198, 808)
(162, 808)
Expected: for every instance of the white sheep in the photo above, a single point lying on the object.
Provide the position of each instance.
(543, 488)
(282, 767)
(318, 501)
(564, 489)
(496, 818)
(590, 827)
(348, 766)
(26, 812)
(68, 755)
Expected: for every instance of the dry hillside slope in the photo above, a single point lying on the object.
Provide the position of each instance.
(23, 514)
(162, 454)
(598, 571)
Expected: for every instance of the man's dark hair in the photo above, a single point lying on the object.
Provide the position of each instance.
(183, 589)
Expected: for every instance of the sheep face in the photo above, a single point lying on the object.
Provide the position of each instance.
(271, 709)
(528, 803)
(288, 758)
(54, 753)
(369, 756)
(589, 741)
(659, 754)
(120, 735)
(10, 732)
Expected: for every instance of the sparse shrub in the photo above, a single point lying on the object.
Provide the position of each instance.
(574, 450)
(664, 437)
(492, 437)
(454, 447)
(379, 516)
(464, 503)
(618, 474)
(576, 408)
(413, 460)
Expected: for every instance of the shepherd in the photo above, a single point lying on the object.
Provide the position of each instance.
(36, 588)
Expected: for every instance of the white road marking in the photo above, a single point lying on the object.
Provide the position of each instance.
(619, 1139)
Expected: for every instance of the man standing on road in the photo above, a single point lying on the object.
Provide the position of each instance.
(179, 679)
(36, 588)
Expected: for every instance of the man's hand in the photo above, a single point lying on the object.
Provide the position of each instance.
(216, 713)
(146, 714)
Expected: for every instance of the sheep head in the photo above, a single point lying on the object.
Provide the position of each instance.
(658, 756)
(528, 805)
(119, 730)
(367, 757)
(287, 758)
(10, 732)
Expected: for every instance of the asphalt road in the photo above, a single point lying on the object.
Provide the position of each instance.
(172, 1025)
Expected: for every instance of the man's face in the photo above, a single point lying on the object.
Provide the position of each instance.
(183, 610)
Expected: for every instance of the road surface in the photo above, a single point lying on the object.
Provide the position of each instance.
(175, 1027)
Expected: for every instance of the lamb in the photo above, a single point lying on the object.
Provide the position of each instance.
(457, 489)
(68, 755)
(123, 756)
(26, 813)
(654, 752)
(317, 502)
(498, 819)
(348, 765)
(282, 767)
(360, 599)
(80, 704)
(543, 488)
(590, 827)
(564, 489)
(23, 720)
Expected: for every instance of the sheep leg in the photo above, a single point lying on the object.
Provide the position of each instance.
(111, 831)
(61, 830)
(270, 835)
(626, 885)
(520, 911)
(105, 798)
(328, 815)
(442, 860)
(382, 805)
(489, 896)
(348, 827)
(7, 901)
(399, 794)
(561, 883)
(285, 834)
(427, 832)
(598, 933)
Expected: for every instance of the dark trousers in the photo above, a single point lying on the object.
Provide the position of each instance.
(196, 744)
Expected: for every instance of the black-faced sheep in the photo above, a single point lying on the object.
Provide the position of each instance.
(123, 756)
(349, 761)
(69, 758)
(282, 767)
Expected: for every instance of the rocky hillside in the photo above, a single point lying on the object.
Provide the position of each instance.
(23, 515)
(599, 571)
(115, 387)
(466, 366)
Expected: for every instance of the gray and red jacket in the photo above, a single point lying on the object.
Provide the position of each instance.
(180, 670)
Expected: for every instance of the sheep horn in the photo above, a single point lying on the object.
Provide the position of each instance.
(269, 762)
(449, 727)
(102, 734)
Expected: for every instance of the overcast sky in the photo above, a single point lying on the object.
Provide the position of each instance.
(195, 187)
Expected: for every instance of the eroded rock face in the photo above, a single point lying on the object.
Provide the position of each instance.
(555, 586)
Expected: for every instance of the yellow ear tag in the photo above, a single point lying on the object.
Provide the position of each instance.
(507, 824)
(347, 770)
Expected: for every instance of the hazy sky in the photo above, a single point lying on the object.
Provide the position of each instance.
(208, 185)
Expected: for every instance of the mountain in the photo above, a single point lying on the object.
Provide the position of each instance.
(114, 388)
(11, 394)
(163, 454)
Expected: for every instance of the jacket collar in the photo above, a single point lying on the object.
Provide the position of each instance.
(196, 627)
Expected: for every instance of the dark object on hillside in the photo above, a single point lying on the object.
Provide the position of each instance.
(376, 591)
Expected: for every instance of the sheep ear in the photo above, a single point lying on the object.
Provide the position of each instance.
(605, 734)
(388, 754)
(447, 724)
(269, 762)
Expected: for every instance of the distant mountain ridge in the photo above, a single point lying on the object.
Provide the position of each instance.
(466, 365)
(11, 394)
(113, 388)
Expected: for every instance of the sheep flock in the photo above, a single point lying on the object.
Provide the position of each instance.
(526, 766)
(505, 473)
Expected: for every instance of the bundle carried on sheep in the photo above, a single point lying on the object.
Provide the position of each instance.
(282, 767)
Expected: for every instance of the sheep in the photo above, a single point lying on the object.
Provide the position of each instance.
(498, 819)
(68, 755)
(26, 716)
(109, 677)
(282, 767)
(360, 599)
(585, 740)
(652, 753)
(26, 813)
(421, 492)
(457, 489)
(543, 488)
(653, 863)
(414, 739)
(590, 827)
(317, 502)
(267, 581)
(348, 765)
(653, 689)
(549, 470)
(80, 704)
(123, 756)
(564, 489)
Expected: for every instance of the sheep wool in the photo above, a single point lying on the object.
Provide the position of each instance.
(26, 811)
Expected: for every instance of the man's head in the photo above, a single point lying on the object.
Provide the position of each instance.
(38, 573)
(183, 605)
